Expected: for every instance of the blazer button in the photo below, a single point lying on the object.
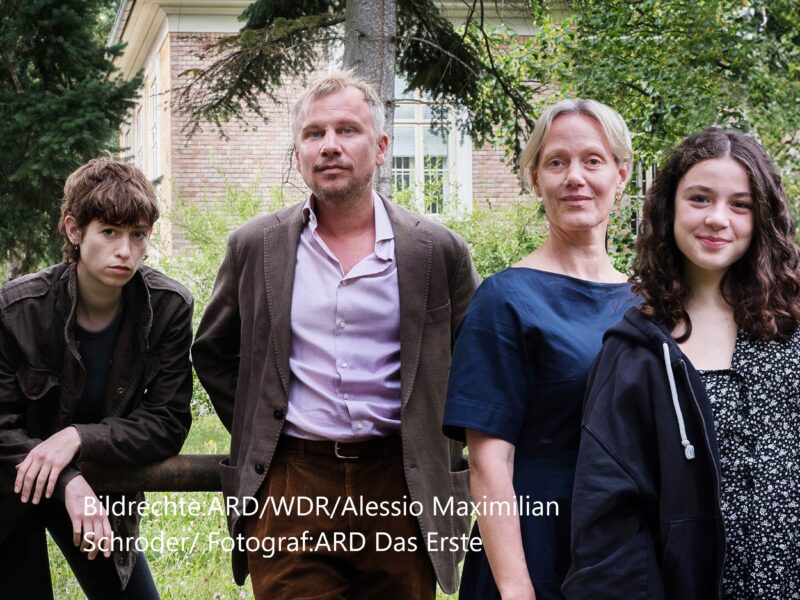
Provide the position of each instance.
(259, 468)
(279, 414)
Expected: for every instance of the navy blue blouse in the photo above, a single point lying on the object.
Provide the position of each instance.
(519, 370)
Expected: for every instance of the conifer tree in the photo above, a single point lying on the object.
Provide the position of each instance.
(60, 105)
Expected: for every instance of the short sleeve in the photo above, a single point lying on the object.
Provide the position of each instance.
(489, 376)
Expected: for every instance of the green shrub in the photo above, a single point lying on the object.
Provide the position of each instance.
(206, 228)
(620, 238)
(499, 237)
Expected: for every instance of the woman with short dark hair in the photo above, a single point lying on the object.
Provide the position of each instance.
(94, 367)
(688, 477)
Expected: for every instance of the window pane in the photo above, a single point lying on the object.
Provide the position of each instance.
(434, 144)
(436, 184)
(402, 172)
(404, 112)
(399, 89)
(403, 141)
(435, 172)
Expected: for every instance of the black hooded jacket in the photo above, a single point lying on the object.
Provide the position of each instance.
(646, 521)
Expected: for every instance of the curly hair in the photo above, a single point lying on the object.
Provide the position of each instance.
(763, 286)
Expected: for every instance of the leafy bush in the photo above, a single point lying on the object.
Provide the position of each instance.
(206, 228)
(620, 238)
(497, 236)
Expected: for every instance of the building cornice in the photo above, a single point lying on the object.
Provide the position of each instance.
(139, 23)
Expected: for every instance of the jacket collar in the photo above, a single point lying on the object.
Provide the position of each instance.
(136, 296)
(280, 257)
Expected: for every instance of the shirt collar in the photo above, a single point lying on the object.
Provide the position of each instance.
(384, 234)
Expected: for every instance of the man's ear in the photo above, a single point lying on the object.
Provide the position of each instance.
(383, 145)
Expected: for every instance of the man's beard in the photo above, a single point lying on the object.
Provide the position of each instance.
(334, 194)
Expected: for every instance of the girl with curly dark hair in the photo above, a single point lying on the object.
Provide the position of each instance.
(688, 477)
(762, 289)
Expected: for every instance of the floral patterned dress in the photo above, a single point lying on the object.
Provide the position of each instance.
(756, 407)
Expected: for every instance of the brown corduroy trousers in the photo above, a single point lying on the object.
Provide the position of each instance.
(333, 528)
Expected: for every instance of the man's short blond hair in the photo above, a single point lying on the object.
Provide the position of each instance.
(330, 84)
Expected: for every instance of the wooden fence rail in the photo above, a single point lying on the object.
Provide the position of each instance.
(181, 473)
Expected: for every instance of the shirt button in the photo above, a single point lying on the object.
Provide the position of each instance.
(359, 426)
(344, 364)
(120, 390)
(279, 414)
(346, 396)
(259, 468)
(341, 324)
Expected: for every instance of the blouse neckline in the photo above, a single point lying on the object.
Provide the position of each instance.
(621, 284)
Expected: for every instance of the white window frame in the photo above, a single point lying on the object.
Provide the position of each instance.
(126, 152)
(642, 177)
(458, 184)
(155, 167)
(138, 157)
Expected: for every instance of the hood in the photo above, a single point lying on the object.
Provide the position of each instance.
(637, 329)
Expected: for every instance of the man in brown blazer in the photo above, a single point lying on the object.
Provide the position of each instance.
(325, 350)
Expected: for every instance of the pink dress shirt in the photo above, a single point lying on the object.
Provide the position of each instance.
(345, 356)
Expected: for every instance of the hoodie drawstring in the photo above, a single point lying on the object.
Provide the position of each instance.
(688, 449)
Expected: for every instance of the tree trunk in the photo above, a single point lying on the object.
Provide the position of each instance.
(370, 50)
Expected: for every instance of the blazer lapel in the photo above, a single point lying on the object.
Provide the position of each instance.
(414, 250)
(280, 257)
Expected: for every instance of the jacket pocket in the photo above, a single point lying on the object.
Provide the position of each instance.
(459, 480)
(437, 314)
(689, 563)
(36, 383)
(227, 477)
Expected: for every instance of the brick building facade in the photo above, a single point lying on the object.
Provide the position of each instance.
(164, 38)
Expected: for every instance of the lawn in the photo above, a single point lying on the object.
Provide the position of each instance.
(202, 573)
